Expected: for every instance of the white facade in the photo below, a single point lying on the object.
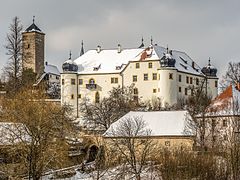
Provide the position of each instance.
(154, 71)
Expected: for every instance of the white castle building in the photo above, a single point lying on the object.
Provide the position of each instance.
(155, 71)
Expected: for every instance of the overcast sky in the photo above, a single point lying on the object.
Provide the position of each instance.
(202, 29)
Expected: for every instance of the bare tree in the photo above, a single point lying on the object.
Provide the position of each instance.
(14, 48)
(46, 125)
(132, 143)
(101, 115)
(197, 105)
(232, 75)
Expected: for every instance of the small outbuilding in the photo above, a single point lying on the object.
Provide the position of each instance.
(167, 128)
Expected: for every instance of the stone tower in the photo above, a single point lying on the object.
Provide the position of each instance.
(33, 49)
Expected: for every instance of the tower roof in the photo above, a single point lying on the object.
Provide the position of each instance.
(33, 27)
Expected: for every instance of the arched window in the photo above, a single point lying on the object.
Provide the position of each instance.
(97, 97)
(91, 81)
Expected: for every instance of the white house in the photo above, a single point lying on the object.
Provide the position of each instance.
(51, 78)
(156, 72)
(222, 118)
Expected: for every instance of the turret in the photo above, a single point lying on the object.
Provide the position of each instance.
(209, 70)
(167, 60)
(70, 65)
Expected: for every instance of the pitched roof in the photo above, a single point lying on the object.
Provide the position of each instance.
(48, 69)
(51, 69)
(33, 28)
(111, 61)
(160, 123)
(226, 103)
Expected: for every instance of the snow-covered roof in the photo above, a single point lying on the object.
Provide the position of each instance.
(160, 123)
(12, 133)
(226, 103)
(48, 69)
(113, 61)
(51, 69)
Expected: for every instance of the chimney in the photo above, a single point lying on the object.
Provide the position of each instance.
(193, 65)
(98, 49)
(119, 48)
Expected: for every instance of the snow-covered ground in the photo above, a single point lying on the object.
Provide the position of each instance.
(113, 173)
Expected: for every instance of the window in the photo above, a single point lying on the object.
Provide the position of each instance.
(187, 79)
(73, 82)
(170, 75)
(185, 91)
(97, 97)
(114, 80)
(62, 81)
(167, 143)
(57, 77)
(224, 123)
(216, 84)
(79, 96)
(80, 81)
(150, 65)
(28, 46)
(134, 78)
(180, 78)
(191, 92)
(135, 91)
(197, 81)
(72, 96)
(179, 89)
(50, 76)
(137, 65)
(190, 80)
(154, 90)
(145, 77)
(154, 76)
(91, 81)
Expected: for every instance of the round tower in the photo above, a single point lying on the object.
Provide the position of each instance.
(211, 78)
(69, 85)
(168, 80)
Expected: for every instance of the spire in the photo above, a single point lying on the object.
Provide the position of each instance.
(33, 27)
(70, 55)
(142, 45)
(209, 62)
(151, 40)
(82, 50)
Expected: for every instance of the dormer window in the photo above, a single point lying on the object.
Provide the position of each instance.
(185, 67)
(97, 68)
(183, 60)
(118, 67)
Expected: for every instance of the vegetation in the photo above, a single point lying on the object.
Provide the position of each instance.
(102, 114)
(14, 49)
(42, 134)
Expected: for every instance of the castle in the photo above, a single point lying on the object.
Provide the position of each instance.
(155, 71)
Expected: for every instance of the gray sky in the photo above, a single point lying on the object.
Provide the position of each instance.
(200, 28)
